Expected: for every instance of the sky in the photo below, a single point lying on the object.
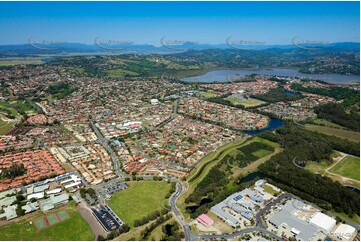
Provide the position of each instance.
(201, 22)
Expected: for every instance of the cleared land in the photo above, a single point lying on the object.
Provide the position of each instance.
(348, 167)
(338, 170)
(270, 190)
(139, 199)
(341, 133)
(73, 228)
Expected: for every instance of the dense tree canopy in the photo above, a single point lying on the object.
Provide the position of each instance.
(277, 95)
(304, 145)
(336, 113)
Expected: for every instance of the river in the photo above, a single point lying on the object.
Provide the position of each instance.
(229, 75)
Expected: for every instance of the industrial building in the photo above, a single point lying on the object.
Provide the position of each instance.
(243, 203)
(344, 232)
(316, 226)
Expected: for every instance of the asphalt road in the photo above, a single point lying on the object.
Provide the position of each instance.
(262, 211)
(104, 142)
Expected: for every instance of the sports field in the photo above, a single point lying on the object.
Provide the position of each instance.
(66, 224)
(139, 199)
(208, 94)
(348, 167)
(251, 102)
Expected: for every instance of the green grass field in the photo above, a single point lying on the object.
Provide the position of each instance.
(251, 102)
(341, 133)
(5, 126)
(327, 123)
(139, 199)
(311, 165)
(74, 228)
(348, 167)
(208, 94)
(261, 153)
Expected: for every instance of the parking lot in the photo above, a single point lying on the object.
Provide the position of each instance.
(111, 187)
(107, 218)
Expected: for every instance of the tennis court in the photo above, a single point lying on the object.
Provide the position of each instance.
(40, 223)
(51, 219)
(63, 215)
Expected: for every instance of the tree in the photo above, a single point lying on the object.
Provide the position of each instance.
(124, 228)
(100, 238)
(82, 192)
(19, 211)
(20, 198)
(91, 192)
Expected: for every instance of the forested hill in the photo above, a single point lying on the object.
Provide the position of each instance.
(324, 60)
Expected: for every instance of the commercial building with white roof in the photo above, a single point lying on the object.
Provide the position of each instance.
(326, 223)
(344, 232)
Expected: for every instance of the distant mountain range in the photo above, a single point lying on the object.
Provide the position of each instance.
(26, 50)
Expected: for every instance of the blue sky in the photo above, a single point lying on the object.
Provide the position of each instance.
(203, 22)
